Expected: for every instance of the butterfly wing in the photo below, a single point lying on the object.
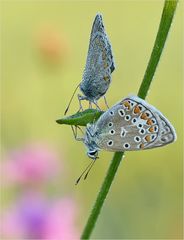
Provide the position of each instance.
(99, 64)
(167, 133)
(133, 124)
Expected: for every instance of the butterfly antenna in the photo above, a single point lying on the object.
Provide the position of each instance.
(89, 166)
(89, 169)
(71, 99)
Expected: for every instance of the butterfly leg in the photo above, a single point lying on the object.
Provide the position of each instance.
(74, 130)
(80, 129)
(95, 103)
(105, 100)
(80, 98)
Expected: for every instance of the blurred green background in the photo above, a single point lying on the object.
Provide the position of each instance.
(44, 47)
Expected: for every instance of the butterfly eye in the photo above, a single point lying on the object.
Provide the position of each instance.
(93, 154)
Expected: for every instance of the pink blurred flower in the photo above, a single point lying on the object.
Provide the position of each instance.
(60, 224)
(34, 163)
(34, 217)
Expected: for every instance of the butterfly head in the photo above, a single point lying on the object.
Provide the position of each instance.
(90, 141)
(93, 154)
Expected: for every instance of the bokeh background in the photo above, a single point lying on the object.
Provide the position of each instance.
(44, 47)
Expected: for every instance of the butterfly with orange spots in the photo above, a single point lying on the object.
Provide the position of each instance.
(130, 125)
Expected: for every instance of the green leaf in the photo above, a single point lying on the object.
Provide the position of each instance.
(81, 118)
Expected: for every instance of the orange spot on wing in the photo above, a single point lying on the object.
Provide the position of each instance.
(141, 145)
(149, 122)
(144, 116)
(151, 129)
(148, 138)
(105, 65)
(106, 78)
(127, 104)
(103, 55)
(136, 110)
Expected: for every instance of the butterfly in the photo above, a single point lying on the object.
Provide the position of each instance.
(99, 66)
(130, 125)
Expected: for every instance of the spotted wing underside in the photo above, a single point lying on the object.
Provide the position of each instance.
(100, 62)
(133, 124)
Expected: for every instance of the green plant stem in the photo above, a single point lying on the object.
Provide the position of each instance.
(165, 23)
(103, 193)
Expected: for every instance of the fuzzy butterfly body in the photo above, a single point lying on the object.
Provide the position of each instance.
(132, 124)
(99, 64)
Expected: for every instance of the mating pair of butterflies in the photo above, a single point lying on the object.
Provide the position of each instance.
(131, 124)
